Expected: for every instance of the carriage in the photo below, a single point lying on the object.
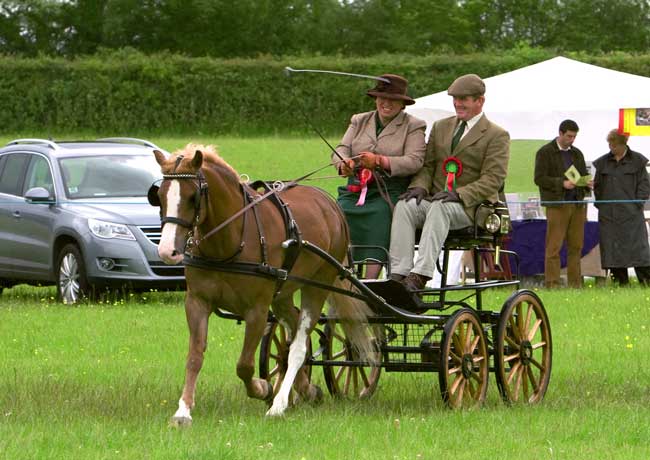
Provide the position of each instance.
(459, 339)
(444, 329)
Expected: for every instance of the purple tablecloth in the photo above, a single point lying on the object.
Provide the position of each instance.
(528, 238)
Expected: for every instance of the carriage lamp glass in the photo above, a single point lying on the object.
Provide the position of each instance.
(492, 223)
(110, 230)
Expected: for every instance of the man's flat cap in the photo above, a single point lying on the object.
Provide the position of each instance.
(467, 85)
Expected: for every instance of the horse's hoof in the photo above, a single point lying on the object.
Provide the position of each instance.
(180, 422)
(268, 399)
(275, 412)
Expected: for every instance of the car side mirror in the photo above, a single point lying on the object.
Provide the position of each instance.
(38, 195)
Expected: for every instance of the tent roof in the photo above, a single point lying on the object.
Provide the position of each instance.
(532, 101)
(558, 84)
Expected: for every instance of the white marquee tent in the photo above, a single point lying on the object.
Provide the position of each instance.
(532, 101)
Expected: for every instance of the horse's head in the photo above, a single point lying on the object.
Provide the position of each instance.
(179, 197)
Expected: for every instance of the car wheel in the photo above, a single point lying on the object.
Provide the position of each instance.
(72, 283)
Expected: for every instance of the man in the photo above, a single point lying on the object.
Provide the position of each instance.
(466, 163)
(621, 175)
(564, 220)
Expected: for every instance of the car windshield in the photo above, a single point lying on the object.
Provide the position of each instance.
(107, 176)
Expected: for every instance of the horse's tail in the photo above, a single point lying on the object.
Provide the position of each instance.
(353, 315)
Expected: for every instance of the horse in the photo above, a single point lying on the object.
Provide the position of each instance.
(204, 206)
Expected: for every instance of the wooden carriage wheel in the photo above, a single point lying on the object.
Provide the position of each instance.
(523, 349)
(274, 356)
(464, 361)
(356, 381)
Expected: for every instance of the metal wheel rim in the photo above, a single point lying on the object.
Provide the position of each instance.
(69, 279)
(464, 365)
(524, 350)
(347, 381)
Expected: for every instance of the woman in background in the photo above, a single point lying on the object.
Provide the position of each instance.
(621, 175)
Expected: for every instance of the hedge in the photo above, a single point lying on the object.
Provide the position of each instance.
(127, 92)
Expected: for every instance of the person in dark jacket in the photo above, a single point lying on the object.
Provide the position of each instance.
(565, 220)
(621, 175)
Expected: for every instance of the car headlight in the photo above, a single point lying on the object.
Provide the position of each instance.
(492, 223)
(110, 230)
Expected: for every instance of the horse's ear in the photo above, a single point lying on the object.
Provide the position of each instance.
(160, 157)
(197, 161)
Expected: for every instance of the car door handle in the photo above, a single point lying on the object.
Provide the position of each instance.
(16, 214)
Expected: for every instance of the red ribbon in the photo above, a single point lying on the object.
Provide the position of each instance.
(453, 168)
(365, 177)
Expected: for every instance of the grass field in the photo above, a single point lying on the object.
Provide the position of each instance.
(100, 381)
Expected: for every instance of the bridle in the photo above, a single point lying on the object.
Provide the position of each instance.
(201, 190)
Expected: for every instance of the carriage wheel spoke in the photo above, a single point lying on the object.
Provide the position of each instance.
(338, 354)
(531, 377)
(474, 344)
(471, 389)
(275, 371)
(520, 320)
(512, 342)
(454, 370)
(457, 343)
(454, 386)
(537, 365)
(517, 386)
(339, 373)
(514, 371)
(529, 314)
(510, 357)
(534, 329)
(461, 390)
(454, 357)
(513, 329)
(524, 377)
(363, 373)
(468, 338)
(538, 345)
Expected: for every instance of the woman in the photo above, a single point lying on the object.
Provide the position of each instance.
(380, 150)
(621, 175)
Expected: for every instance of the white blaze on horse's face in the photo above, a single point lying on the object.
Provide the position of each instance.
(167, 249)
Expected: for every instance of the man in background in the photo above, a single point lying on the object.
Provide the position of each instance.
(565, 214)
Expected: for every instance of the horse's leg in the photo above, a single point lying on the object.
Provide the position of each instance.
(288, 316)
(256, 320)
(197, 314)
(311, 303)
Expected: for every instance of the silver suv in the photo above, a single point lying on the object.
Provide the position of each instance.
(76, 214)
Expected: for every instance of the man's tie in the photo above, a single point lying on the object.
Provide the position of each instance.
(458, 135)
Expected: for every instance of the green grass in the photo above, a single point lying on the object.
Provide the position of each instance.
(100, 381)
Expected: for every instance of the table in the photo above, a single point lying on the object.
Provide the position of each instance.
(528, 238)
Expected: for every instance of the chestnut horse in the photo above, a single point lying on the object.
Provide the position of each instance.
(199, 193)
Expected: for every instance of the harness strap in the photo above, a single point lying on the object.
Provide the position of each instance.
(264, 271)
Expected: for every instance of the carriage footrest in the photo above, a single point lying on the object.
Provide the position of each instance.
(396, 294)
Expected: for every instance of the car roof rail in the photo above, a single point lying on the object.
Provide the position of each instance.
(130, 140)
(53, 145)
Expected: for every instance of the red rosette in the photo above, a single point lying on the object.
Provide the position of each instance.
(452, 167)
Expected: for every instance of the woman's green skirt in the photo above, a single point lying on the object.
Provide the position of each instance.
(370, 224)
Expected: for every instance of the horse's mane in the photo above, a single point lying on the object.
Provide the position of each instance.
(210, 157)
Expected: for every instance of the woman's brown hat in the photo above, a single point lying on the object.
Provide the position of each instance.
(396, 89)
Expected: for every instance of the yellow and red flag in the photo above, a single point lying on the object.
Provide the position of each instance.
(634, 122)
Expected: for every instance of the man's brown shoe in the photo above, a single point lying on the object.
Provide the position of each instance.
(415, 281)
